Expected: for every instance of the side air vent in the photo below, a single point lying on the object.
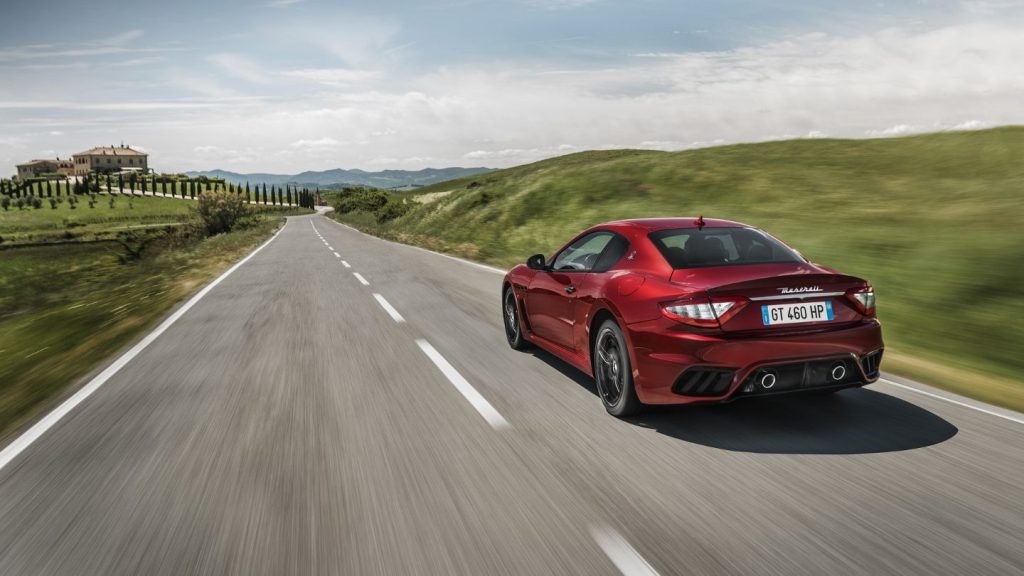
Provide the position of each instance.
(870, 363)
(703, 382)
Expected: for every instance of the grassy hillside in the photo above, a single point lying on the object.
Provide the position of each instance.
(934, 221)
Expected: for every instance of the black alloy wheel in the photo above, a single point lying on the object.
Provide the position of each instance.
(613, 373)
(513, 327)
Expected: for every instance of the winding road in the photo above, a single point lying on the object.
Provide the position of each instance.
(339, 404)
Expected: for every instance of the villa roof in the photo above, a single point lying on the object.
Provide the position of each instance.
(112, 151)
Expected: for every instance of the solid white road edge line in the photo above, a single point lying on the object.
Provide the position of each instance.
(624, 556)
(388, 308)
(449, 256)
(360, 278)
(346, 264)
(39, 428)
(952, 401)
(475, 399)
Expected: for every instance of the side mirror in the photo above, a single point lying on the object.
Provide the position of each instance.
(536, 262)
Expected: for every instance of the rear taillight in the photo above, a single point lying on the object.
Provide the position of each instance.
(863, 299)
(703, 312)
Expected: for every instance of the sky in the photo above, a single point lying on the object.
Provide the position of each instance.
(291, 85)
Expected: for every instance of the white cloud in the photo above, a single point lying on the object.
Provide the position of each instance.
(336, 77)
(120, 39)
(990, 7)
(357, 42)
(239, 66)
(324, 142)
(897, 130)
(972, 125)
(282, 3)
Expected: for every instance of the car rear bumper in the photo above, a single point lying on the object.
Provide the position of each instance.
(673, 366)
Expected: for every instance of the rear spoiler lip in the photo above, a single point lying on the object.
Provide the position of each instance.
(800, 296)
(828, 281)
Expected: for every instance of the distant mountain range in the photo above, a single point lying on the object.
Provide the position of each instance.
(338, 178)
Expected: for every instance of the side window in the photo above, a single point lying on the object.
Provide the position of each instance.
(582, 255)
(613, 252)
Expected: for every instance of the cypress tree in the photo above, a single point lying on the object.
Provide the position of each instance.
(191, 190)
(289, 190)
(120, 183)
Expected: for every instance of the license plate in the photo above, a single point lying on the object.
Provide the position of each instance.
(796, 313)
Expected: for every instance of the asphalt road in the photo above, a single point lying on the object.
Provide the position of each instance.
(290, 423)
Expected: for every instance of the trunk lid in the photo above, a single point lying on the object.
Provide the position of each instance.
(764, 285)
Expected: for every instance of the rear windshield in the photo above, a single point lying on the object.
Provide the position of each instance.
(696, 248)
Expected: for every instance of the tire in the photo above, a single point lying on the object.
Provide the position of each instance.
(613, 372)
(512, 321)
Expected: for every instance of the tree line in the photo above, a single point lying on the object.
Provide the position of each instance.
(172, 186)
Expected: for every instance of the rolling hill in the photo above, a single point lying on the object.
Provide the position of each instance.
(934, 221)
(337, 178)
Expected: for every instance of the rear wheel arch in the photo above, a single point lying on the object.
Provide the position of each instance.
(595, 322)
(606, 312)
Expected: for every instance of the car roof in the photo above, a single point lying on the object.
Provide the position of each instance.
(655, 224)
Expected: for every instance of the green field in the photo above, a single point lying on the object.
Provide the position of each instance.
(936, 222)
(30, 225)
(109, 215)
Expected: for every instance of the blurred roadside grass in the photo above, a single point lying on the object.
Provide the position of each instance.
(934, 221)
(64, 309)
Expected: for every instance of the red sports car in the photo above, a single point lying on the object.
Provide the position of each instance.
(684, 310)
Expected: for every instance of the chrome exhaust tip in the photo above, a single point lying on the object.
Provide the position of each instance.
(767, 380)
(838, 371)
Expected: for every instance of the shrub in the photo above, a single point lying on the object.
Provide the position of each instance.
(134, 243)
(393, 209)
(37, 203)
(6, 203)
(53, 203)
(352, 199)
(220, 210)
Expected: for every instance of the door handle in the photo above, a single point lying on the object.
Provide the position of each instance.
(570, 289)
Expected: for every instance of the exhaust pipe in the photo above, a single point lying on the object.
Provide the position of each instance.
(838, 371)
(767, 380)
